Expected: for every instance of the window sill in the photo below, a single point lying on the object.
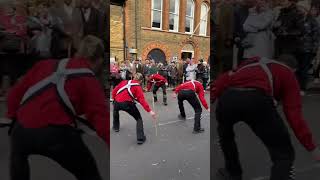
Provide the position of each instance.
(158, 29)
(173, 32)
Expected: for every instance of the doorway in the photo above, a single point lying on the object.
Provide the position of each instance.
(185, 55)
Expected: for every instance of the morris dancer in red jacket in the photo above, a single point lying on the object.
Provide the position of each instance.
(125, 95)
(45, 104)
(248, 94)
(158, 81)
(187, 91)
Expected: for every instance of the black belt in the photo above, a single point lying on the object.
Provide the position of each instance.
(244, 89)
(187, 90)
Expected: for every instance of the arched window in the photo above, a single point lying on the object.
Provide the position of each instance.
(203, 19)
(174, 15)
(189, 17)
(157, 55)
(156, 14)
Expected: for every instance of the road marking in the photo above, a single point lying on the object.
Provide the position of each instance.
(302, 170)
(172, 122)
(176, 121)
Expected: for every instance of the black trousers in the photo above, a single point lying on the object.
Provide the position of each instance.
(115, 81)
(205, 82)
(164, 91)
(131, 109)
(304, 62)
(258, 111)
(191, 97)
(12, 65)
(317, 72)
(240, 54)
(62, 144)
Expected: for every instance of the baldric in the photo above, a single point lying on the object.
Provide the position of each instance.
(58, 79)
(128, 88)
(263, 63)
(193, 83)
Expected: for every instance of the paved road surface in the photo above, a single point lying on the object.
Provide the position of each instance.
(254, 156)
(175, 154)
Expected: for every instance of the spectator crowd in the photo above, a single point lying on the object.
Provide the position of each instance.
(265, 28)
(176, 72)
(45, 29)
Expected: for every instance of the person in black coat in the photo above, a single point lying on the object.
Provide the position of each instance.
(93, 20)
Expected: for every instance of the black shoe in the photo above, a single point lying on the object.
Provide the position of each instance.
(116, 130)
(223, 174)
(141, 141)
(181, 117)
(201, 130)
(165, 103)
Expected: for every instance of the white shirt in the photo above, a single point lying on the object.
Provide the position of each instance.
(191, 72)
(68, 10)
(87, 13)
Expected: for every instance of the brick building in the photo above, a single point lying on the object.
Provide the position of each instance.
(160, 29)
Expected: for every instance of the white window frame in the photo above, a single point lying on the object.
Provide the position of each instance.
(159, 10)
(192, 22)
(204, 19)
(176, 13)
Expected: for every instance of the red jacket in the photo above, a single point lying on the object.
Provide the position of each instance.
(199, 90)
(286, 89)
(45, 108)
(125, 96)
(19, 28)
(156, 78)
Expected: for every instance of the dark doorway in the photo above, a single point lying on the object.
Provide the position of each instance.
(157, 55)
(185, 55)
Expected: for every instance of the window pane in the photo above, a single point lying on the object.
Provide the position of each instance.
(203, 27)
(172, 6)
(176, 22)
(189, 8)
(156, 19)
(188, 25)
(171, 22)
(156, 25)
(204, 10)
(157, 4)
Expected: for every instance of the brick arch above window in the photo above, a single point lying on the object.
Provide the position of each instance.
(195, 45)
(155, 45)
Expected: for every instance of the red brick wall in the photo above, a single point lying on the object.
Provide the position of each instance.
(165, 15)
(182, 15)
(155, 45)
(170, 43)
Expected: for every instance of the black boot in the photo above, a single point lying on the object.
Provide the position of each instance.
(141, 141)
(165, 100)
(197, 131)
(116, 129)
(181, 117)
(223, 174)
